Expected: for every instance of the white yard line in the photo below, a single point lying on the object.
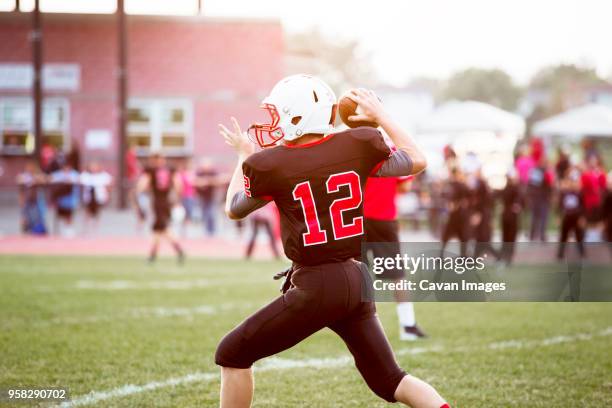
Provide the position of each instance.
(135, 313)
(187, 284)
(276, 363)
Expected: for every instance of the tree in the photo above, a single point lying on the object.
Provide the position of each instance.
(492, 86)
(565, 85)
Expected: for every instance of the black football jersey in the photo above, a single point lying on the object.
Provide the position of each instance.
(162, 182)
(318, 189)
(457, 194)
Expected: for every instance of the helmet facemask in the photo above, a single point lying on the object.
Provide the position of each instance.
(268, 134)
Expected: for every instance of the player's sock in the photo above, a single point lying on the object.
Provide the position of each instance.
(405, 313)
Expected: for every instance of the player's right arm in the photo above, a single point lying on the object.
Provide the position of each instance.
(373, 110)
(237, 203)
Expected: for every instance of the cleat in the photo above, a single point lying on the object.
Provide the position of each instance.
(411, 333)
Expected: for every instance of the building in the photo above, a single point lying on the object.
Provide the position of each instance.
(186, 75)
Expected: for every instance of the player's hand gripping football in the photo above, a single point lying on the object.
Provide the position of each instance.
(237, 139)
(372, 109)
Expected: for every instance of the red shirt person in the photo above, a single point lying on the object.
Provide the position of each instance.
(380, 193)
(593, 182)
(380, 212)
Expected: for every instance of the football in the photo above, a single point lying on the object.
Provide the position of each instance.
(346, 108)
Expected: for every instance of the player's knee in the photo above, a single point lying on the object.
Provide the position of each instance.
(385, 385)
(230, 352)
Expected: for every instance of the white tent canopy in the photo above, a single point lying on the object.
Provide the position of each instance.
(468, 116)
(481, 134)
(587, 120)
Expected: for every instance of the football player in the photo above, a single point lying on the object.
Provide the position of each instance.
(381, 225)
(316, 178)
(161, 181)
(457, 199)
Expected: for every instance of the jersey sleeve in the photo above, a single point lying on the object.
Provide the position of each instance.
(399, 164)
(241, 205)
(376, 149)
(258, 182)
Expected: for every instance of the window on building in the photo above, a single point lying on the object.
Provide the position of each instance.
(160, 125)
(17, 124)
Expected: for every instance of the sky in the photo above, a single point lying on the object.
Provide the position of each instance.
(411, 38)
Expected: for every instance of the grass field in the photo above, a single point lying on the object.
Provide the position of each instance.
(97, 325)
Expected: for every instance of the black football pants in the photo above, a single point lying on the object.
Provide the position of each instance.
(328, 295)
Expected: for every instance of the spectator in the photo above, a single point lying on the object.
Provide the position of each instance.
(607, 212)
(74, 156)
(382, 229)
(32, 199)
(162, 183)
(563, 163)
(140, 200)
(132, 166)
(65, 197)
(435, 206)
(96, 184)
(539, 193)
(47, 157)
(188, 200)
(593, 181)
(537, 149)
(589, 149)
(523, 164)
(572, 210)
(207, 180)
(450, 161)
(513, 201)
(457, 199)
(482, 209)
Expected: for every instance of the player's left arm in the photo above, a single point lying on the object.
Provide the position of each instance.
(237, 204)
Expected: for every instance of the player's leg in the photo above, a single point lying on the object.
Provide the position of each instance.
(366, 340)
(154, 246)
(387, 232)
(579, 230)
(447, 233)
(416, 393)
(544, 223)
(237, 387)
(565, 230)
(175, 244)
(463, 234)
(286, 321)
(160, 223)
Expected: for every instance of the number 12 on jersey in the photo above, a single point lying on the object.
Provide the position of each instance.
(315, 235)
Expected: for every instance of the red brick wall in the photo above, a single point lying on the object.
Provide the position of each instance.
(191, 58)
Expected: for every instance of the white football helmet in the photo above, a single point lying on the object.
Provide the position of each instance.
(298, 105)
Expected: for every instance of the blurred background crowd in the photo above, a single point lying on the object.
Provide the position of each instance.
(547, 195)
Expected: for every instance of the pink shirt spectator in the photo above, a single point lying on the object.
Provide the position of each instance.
(523, 165)
(187, 180)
